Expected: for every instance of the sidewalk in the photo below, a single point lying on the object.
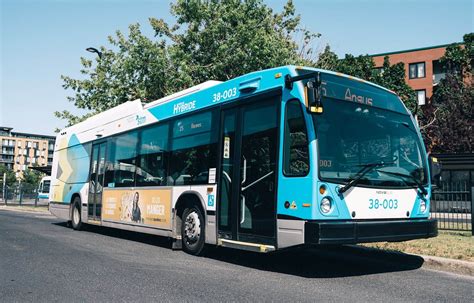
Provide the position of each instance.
(25, 208)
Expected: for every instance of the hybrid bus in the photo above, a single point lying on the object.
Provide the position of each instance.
(278, 158)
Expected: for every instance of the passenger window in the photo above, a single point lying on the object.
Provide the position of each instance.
(296, 154)
(193, 149)
(121, 164)
(152, 156)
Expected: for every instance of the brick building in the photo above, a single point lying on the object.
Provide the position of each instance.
(423, 70)
(18, 150)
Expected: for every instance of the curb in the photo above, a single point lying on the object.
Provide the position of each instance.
(449, 265)
(460, 267)
(26, 209)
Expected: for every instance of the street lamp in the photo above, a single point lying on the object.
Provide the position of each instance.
(94, 50)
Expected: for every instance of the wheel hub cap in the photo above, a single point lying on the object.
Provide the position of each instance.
(76, 215)
(192, 227)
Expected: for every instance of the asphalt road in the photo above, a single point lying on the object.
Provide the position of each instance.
(41, 259)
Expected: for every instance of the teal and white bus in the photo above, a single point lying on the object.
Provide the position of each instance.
(284, 157)
(43, 188)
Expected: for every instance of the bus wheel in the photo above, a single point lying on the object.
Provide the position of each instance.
(193, 230)
(76, 221)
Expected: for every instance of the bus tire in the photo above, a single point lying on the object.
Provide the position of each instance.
(76, 220)
(193, 231)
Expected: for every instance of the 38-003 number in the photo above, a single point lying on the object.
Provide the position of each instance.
(229, 93)
(385, 204)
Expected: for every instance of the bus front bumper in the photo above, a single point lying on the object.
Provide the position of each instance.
(352, 232)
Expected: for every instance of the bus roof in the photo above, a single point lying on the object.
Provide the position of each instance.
(133, 114)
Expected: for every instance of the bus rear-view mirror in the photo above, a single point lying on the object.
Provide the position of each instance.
(435, 171)
(313, 95)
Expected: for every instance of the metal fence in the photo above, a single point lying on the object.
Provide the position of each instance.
(21, 194)
(452, 205)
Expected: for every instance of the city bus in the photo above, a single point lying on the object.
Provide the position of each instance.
(43, 188)
(278, 158)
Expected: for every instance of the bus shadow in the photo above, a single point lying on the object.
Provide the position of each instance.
(314, 262)
(322, 262)
(123, 234)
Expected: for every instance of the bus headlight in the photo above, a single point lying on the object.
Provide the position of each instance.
(422, 206)
(326, 205)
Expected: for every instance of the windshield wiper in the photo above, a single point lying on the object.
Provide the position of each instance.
(417, 182)
(366, 168)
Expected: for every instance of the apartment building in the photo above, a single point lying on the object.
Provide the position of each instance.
(423, 71)
(19, 150)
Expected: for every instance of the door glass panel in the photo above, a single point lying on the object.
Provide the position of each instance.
(92, 181)
(225, 184)
(258, 169)
(100, 180)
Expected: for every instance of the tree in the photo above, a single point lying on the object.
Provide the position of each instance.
(448, 126)
(10, 176)
(31, 177)
(216, 39)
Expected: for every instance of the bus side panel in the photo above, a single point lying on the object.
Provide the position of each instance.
(69, 175)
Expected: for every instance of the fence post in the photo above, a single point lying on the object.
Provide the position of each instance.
(472, 211)
(4, 187)
(21, 193)
(6, 195)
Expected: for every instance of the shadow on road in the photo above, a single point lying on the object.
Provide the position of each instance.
(322, 262)
(314, 262)
(124, 234)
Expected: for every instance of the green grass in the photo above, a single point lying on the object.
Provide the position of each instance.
(448, 244)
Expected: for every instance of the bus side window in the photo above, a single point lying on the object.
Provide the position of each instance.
(122, 160)
(152, 156)
(296, 154)
(193, 149)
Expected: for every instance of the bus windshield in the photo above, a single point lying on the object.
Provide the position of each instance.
(46, 185)
(352, 135)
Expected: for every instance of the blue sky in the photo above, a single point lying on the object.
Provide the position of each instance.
(42, 40)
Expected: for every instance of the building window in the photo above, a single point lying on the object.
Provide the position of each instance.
(379, 70)
(421, 96)
(417, 70)
(19, 143)
(28, 144)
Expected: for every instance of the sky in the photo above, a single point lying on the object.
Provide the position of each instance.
(42, 40)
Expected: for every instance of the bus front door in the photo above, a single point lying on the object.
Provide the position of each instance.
(96, 182)
(247, 186)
